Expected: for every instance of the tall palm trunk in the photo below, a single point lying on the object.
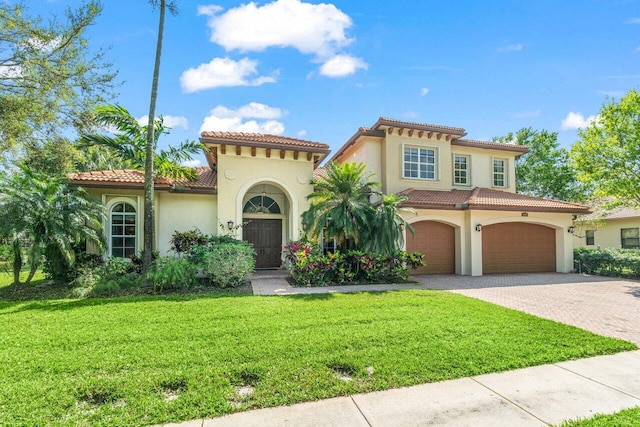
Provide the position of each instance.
(149, 214)
(17, 260)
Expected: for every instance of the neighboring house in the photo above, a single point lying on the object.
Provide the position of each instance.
(470, 221)
(617, 228)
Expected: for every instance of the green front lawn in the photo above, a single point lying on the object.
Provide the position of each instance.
(146, 360)
(626, 418)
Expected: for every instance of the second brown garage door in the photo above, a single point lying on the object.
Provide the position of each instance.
(518, 247)
(436, 241)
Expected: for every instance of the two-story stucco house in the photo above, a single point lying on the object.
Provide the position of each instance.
(469, 219)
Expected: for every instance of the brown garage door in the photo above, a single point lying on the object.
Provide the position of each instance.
(436, 241)
(518, 247)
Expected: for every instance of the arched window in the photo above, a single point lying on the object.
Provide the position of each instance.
(261, 204)
(123, 230)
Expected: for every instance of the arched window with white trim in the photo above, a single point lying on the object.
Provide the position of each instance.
(123, 225)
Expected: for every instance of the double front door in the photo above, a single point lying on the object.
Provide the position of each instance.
(266, 237)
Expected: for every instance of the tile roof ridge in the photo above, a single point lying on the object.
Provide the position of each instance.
(473, 195)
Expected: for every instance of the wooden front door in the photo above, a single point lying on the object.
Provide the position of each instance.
(266, 237)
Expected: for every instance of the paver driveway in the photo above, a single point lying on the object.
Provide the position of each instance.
(605, 306)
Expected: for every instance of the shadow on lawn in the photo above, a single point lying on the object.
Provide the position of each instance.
(58, 301)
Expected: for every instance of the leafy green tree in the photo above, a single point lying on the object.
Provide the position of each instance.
(545, 171)
(607, 154)
(149, 213)
(47, 216)
(341, 205)
(129, 143)
(50, 77)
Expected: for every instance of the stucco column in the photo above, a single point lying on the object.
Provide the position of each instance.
(475, 246)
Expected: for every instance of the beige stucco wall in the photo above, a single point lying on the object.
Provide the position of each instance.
(182, 212)
(173, 212)
(238, 174)
(481, 164)
(606, 235)
(469, 241)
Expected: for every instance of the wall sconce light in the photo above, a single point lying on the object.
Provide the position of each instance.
(401, 226)
(478, 227)
(571, 229)
(230, 224)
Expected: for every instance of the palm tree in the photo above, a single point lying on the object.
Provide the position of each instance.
(387, 236)
(341, 205)
(48, 216)
(129, 143)
(147, 257)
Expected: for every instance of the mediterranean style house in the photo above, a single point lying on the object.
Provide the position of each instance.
(618, 228)
(469, 221)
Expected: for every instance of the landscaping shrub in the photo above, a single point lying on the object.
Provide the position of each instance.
(309, 267)
(172, 273)
(182, 242)
(607, 262)
(227, 265)
(105, 279)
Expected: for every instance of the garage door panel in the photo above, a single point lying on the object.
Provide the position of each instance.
(518, 247)
(436, 241)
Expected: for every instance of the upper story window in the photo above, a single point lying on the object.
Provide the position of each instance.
(499, 172)
(460, 169)
(122, 219)
(630, 238)
(591, 237)
(419, 163)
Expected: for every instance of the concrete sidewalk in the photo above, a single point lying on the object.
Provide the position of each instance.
(536, 396)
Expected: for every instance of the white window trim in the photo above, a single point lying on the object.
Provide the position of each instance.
(453, 169)
(133, 200)
(436, 163)
(506, 172)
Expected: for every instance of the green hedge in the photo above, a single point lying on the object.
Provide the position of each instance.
(607, 262)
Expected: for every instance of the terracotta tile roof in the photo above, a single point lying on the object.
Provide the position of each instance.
(261, 139)
(131, 178)
(490, 145)
(320, 172)
(385, 121)
(487, 199)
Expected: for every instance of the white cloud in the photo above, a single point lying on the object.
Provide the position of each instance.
(424, 91)
(302, 133)
(222, 118)
(576, 121)
(194, 163)
(633, 21)
(223, 72)
(342, 65)
(169, 121)
(318, 29)
(511, 48)
(526, 114)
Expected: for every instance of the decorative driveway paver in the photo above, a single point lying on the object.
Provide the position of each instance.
(605, 306)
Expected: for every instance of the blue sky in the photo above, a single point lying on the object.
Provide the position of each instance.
(318, 71)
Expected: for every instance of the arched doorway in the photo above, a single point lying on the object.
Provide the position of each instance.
(264, 215)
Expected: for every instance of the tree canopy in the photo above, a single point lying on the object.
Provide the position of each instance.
(545, 171)
(50, 77)
(129, 143)
(608, 151)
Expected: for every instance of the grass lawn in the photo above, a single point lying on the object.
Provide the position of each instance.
(625, 418)
(146, 360)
